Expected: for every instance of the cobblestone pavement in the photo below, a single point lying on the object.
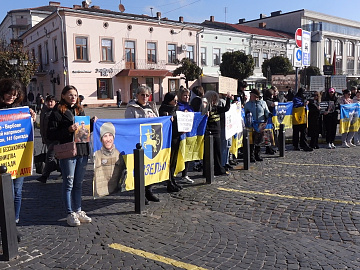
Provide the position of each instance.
(297, 212)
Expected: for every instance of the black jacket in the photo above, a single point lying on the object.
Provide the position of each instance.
(58, 128)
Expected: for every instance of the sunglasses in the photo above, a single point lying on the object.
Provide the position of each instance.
(145, 95)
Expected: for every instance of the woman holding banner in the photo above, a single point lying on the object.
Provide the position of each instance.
(142, 108)
(61, 128)
(11, 96)
(346, 137)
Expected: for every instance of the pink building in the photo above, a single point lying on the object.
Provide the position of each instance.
(101, 51)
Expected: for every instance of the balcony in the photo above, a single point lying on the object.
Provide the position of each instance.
(142, 64)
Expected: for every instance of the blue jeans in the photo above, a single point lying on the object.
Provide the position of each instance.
(73, 170)
(17, 191)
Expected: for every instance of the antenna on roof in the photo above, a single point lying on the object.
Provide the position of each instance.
(151, 11)
(88, 2)
(121, 7)
(225, 13)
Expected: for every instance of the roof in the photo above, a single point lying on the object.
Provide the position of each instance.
(145, 72)
(249, 29)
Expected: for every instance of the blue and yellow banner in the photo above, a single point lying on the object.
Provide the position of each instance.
(282, 114)
(192, 143)
(349, 118)
(114, 144)
(16, 141)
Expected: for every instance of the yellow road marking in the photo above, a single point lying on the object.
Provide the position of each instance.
(324, 165)
(289, 196)
(155, 257)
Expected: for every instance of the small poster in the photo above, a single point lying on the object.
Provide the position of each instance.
(185, 121)
(324, 106)
(82, 134)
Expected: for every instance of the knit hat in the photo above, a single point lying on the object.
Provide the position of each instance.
(255, 92)
(331, 90)
(107, 128)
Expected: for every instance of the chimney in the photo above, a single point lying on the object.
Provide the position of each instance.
(212, 18)
(84, 4)
(241, 20)
(276, 13)
(181, 19)
(76, 6)
(262, 25)
(158, 15)
(95, 7)
(262, 16)
(54, 4)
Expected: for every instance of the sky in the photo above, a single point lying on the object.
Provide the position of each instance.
(199, 10)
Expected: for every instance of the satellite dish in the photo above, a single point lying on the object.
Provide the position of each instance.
(88, 2)
(121, 8)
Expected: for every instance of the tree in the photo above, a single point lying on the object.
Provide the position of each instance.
(306, 74)
(189, 69)
(237, 65)
(278, 65)
(23, 70)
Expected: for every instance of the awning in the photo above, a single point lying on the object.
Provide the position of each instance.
(144, 73)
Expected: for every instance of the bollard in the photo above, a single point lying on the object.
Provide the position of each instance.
(209, 159)
(246, 149)
(139, 179)
(282, 140)
(7, 216)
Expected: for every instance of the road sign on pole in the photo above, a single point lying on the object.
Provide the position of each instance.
(305, 47)
(297, 57)
(298, 37)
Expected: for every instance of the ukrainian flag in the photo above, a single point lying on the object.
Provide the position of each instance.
(192, 143)
(237, 138)
(17, 141)
(349, 118)
(282, 114)
(154, 134)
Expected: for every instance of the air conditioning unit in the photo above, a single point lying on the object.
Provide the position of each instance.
(184, 47)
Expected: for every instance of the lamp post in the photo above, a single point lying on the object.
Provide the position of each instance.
(14, 62)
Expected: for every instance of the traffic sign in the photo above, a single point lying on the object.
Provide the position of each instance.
(297, 57)
(298, 37)
(305, 47)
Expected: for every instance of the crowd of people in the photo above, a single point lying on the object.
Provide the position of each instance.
(57, 126)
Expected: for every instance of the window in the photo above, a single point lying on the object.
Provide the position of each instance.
(171, 53)
(203, 56)
(338, 47)
(106, 50)
(265, 56)
(130, 54)
(46, 53)
(81, 48)
(56, 57)
(256, 58)
(41, 67)
(190, 52)
(216, 57)
(327, 47)
(151, 52)
(350, 49)
(350, 64)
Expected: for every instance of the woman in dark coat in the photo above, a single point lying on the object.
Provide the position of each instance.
(169, 108)
(314, 126)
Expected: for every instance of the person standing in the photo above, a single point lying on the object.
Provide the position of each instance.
(11, 96)
(299, 121)
(118, 98)
(347, 137)
(142, 108)
(30, 97)
(50, 162)
(260, 113)
(331, 117)
(61, 128)
(314, 126)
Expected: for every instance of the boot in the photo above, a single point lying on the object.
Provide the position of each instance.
(150, 195)
(257, 154)
(171, 187)
(252, 155)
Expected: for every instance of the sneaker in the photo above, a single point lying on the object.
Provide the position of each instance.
(345, 145)
(333, 146)
(42, 179)
(187, 179)
(72, 220)
(330, 146)
(83, 218)
(351, 144)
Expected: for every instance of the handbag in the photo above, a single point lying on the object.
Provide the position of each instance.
(39, 160)
(65, 150)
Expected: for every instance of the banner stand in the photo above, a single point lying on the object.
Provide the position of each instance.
(139, 179)
(209, 159)
(246, 149)
(282, 140)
